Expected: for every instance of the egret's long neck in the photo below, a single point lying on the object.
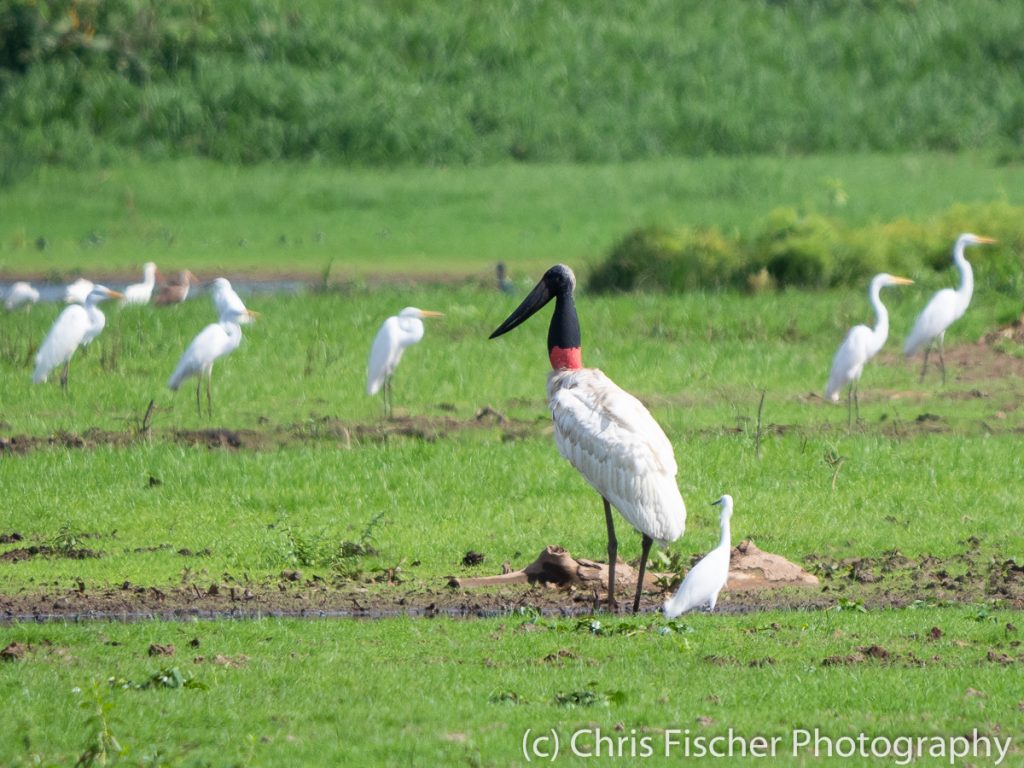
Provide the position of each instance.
(881, 332)
(966, 288)
(725, 541)
(564, 349)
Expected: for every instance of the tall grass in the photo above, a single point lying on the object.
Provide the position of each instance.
(560, 80)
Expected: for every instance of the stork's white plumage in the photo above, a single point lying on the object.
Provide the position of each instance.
(860, 345)
(76, 326)
(19, 295)
(946, 307)
(620, 450)
(141, 293)
(705, 580)
(604, 432)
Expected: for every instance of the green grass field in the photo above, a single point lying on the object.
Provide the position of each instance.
(303, 219)
(932, 472)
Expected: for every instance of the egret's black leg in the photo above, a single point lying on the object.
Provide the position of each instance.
(924, 367)
(856, 400)
(199, 402)
(849, 407)
(942, 357)
(64, 376)
(209, 394)
(387, 397)
(645, 551)
(613, 548)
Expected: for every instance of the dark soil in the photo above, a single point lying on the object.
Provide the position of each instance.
(891, 580)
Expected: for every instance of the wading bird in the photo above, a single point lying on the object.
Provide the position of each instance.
(706, 579)
(175, 291)
(141, 293)
(605, 432)
(76, 326)
(397, 332)
(19, 295)
(215, 341)
(78, 291)
(226, 300)
(860, 345)
(945, 308)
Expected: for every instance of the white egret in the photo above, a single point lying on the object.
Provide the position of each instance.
(19, 295)
(705, 580)
(945, 308)
(176, 290)
(76, 326)
(860, 345)
(215, 341)
(226, 300)
(396, 334)
(605, 432)
(78, 291)
(141, 293)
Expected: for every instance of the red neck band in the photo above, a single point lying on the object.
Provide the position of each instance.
(571, 358)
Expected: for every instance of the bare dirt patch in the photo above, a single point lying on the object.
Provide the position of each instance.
(860, 583)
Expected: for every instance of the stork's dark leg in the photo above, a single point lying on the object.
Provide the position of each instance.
(64, 376)
(613, 548)
(645, 551)
(925, 366)
(942, 357)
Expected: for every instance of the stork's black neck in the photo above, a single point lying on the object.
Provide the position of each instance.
(564, 348)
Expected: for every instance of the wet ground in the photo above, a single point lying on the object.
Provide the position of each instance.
(971, 577)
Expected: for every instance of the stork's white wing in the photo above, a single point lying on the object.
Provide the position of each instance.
(615, 443)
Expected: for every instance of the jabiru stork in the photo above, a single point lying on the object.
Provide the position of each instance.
(604, 432)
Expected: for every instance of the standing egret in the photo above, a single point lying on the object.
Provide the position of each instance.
(214, 341)
(397, 332)
(945, 308)
(78, 291)
(226, 300)
(605, 432)
(860, 345)
(141, 293)
(706, 579)
(76, 326)
(175, 291)
(20, 294)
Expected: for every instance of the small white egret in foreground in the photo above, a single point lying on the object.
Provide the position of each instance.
(397, 332)
(19, 295)
(945, 308)
(226, 300)
(78, 291)
(176, 290)
(706, 579)
(605, 432)
(214, 341)
(76, 326)
(860, 345)
(141, 293)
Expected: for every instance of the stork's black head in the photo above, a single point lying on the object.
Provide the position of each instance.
(564, 332)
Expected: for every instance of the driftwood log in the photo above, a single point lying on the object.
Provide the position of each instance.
(749, 568)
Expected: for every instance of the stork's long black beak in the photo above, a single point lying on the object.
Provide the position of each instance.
(538, 297)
